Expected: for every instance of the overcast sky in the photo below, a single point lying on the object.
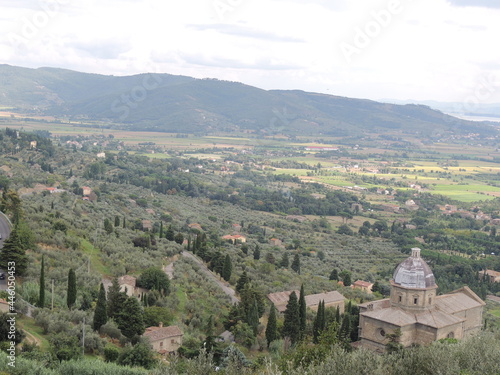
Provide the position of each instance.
(443, 50)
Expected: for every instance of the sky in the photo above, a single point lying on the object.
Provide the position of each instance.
(444, 50)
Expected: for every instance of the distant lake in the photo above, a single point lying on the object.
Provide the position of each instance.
(476, 118)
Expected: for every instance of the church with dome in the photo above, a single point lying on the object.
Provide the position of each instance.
(417, 311)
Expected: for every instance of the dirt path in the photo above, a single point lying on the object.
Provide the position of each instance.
(223, 285)
(169, 270)
(32, 339)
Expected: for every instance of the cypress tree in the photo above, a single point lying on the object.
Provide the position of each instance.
(346, 277)
(322, 321)
(14, 251)
(130, 319)
(71, 296)
(244, 249)
(189, 244)
(124, 223)
(240, 284)
(117, 221)
(337, 315)
(345, 328)
(296, 264)
(292, 319)
(253, 317)
(227, 268)
(334, 275)
(116, 298)
(256, 253)
(170, 234)
(101, 310)
(302, 311)
(272, 326)
(348, 308)
(197, 243)
(41, 295)
(161, 229)
(108, 227)
(284, 261)
(317, 324)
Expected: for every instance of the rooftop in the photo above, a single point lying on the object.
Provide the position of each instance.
(160, 333)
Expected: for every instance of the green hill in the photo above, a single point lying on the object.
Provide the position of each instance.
(164, 102)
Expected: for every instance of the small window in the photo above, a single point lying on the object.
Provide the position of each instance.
(172, 341)
(430, 300)
(415, 301)
(400, 298)
(451, 335)
(161, 344)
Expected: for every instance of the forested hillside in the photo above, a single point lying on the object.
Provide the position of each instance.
(167, 103)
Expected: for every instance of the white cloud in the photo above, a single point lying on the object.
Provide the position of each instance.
(426, 49)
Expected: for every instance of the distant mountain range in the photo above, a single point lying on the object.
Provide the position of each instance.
(169, 103)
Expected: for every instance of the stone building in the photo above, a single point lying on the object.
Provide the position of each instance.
(332, 299)
(164, 340)
(417, 311)
(365, 286)
(493, 276)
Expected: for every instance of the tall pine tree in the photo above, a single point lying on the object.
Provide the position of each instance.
(296, 264)
(71, 295)
(284, 263)
(316, 323)
(302, 311)
(256, 252)
(41, 294)
(14, 251)
(319, 322)
(291, 325)
(272, 326)
(240, 284)
(253, 317)
(101, 310)
(334, 275)
(227, 268)
(116, 298)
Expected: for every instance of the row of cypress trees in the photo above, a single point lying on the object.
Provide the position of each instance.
(71, 290)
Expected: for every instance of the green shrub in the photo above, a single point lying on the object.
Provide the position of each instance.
(111, 353)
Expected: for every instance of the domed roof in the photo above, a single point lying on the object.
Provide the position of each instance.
(414, 272)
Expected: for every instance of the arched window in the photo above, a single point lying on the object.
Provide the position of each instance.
(451, 335)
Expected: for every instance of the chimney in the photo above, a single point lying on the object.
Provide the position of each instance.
(160, 325)
(415, 252)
